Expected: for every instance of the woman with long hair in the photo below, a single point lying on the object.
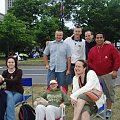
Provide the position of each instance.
(84, 81)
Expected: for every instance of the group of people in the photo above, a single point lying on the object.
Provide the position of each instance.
(82, 63)
(73, 57)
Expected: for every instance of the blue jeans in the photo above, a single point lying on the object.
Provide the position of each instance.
(12, 99)
(59, 76)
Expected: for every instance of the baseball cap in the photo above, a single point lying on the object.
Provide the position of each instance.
(53, 81)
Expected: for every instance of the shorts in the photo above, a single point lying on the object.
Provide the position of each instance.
(91, 107)
(108, 86)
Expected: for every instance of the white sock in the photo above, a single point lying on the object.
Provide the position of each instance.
(109, 109)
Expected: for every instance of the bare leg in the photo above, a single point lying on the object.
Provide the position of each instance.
(109, 104)
(85, 116)
(78, 108)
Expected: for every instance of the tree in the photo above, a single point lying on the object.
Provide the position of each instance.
(13, 34)
(97, 15)
(45, 30)
(26, 10)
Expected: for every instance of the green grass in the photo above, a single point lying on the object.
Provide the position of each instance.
(29, 61)
(38, 89)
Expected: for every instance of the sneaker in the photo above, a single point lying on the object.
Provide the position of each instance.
(108, 114)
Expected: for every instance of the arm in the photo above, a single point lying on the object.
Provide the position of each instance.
(75, 84)
(46, 61)
(66, 99)
(116, 61)
(16, 77)
(90, 60)
(68, 65)
(44, 95)
(83, 50)
(45, 56)
(68, 59)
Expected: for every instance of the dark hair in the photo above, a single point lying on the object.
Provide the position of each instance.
(77, 26)
(84, 66)
(11, 57)
(84, 63)
(100, 33)
(90, 32)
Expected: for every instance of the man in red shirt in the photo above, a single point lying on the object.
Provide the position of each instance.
(104, 59)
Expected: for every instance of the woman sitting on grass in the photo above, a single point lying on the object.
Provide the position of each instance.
(84, 81)
(56, 99)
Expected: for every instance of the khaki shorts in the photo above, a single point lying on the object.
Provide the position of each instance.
(108, 86)
(90, 107)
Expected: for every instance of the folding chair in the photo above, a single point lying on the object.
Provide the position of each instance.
(28, 90)
(102, 110)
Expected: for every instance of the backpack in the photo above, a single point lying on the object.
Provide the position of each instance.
(26, 112)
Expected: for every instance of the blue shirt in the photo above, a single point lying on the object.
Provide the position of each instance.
(59, 52)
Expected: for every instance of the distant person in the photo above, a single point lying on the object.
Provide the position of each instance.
(84, 81)
(56, 100)
(12, 76)
(77, 46)
(104, 59)
(60, 59)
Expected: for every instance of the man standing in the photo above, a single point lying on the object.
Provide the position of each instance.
(104, 59)
(89, 43)
(60, 59)
(77, 46)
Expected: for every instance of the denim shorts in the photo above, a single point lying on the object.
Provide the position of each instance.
(59, 76)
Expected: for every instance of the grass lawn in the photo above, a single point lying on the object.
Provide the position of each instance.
(38, 89)
(29, 61)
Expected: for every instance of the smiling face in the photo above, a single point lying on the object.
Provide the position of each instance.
(53, 86)
(58, 35)
(100, 39)
(77, 33)
(88, 36)
(79, 68)
(10, 63)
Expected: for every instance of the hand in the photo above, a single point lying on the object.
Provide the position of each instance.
(107, 42)
(114, 74)
(67, 72)
(47, 66)
(76, 74)
(1, 79)
(73, 102)
(47, 42)
(62, 105)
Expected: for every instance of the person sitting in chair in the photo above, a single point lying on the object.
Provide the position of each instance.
(84, 81)
(56, 99)
(12, 76)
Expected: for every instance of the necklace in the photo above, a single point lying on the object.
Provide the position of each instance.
(11, 70)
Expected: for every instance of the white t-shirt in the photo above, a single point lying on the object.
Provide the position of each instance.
(77, 49)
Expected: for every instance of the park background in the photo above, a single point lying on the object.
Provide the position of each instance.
(28, 24)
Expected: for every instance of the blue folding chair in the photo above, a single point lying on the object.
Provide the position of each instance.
(102, 110)
(28, 90)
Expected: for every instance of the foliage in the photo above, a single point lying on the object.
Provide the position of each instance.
(42, 17)
(13, 34)
(98, 16)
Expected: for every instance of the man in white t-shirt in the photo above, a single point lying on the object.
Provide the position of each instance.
(77, 45)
